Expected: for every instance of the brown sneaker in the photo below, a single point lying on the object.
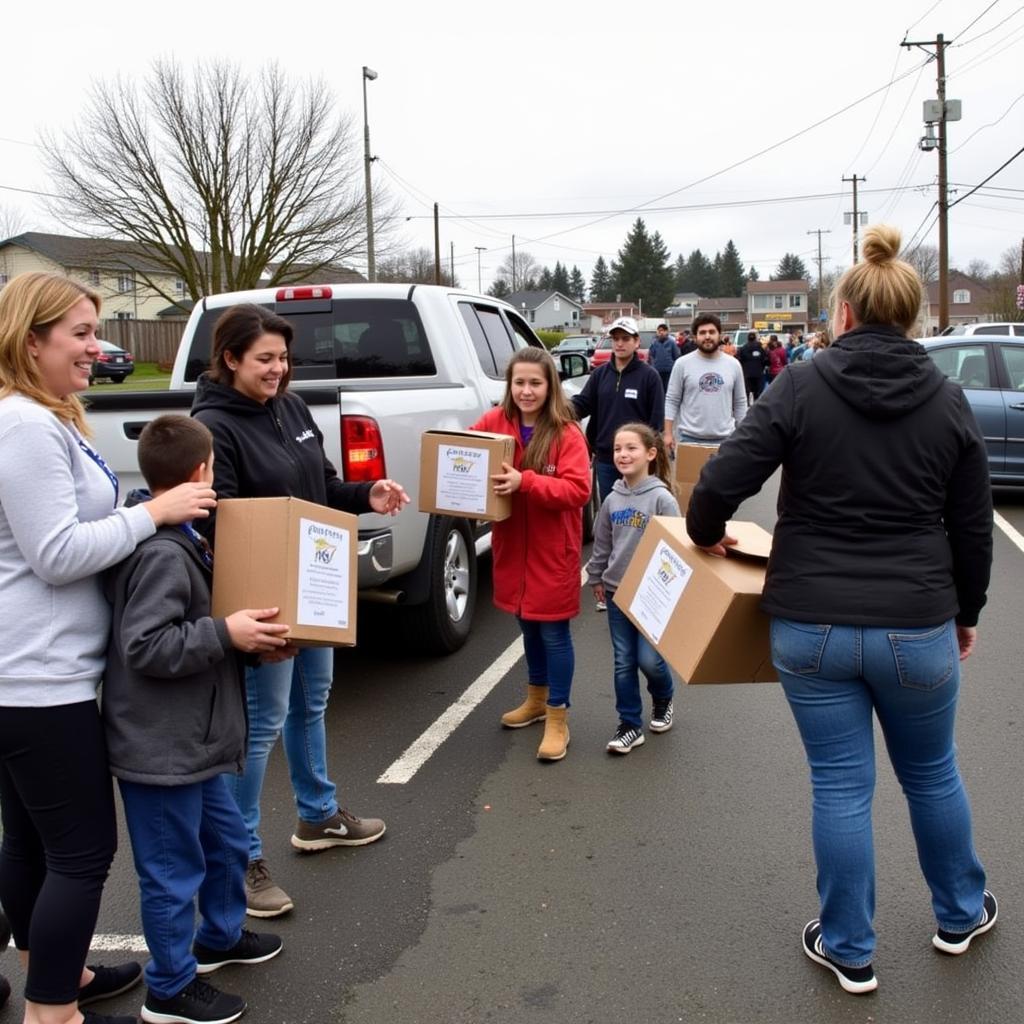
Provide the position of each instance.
(344, 829)
(263, 898)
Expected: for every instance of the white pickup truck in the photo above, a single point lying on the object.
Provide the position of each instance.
(377, 365)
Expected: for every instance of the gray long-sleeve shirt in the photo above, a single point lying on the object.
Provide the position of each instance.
(706, 396)
(58, 530)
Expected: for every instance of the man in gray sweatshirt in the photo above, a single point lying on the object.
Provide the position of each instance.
(706, 395)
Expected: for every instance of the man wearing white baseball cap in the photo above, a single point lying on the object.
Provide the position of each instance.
(623, 390)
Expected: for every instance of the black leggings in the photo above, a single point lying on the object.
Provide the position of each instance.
(60, 835)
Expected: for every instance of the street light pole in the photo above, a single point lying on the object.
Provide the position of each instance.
(479, 279)
(369, 75)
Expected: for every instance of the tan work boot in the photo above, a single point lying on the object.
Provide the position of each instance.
(533, 709)
(556, 735)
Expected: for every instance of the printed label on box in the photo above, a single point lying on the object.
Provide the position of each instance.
(323, 575)
(462, 480)
(661, 586)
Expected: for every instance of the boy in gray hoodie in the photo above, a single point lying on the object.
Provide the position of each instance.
(175, 721)
(644, 490)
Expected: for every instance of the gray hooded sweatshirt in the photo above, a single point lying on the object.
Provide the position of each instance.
(623, 518)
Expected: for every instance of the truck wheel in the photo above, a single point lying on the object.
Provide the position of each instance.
(441, 624)
(591, 508)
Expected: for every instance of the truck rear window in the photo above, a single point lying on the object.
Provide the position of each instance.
(339, 338)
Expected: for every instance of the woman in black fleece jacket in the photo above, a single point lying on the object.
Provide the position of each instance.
(878, 572)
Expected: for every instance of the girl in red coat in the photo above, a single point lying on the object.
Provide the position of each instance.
(536, 551)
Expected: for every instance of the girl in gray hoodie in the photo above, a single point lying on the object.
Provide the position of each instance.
(645, 490)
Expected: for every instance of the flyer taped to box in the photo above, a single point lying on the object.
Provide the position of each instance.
(455, 473)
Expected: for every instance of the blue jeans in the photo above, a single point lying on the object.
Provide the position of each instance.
(633, 654)
(188, 841)
(834, 678)
(550, 659)
(607, 474)
(290, 697)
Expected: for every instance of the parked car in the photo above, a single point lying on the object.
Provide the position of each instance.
(970, 330)
(990, 369)
(603, 352)
(113, 363)
(585, 343)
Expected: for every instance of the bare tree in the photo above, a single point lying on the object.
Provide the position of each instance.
(1002, 302)
(12, 222)
(522, 275)
(221, 177)
(414, 266)
(925, 260)
(979, 270)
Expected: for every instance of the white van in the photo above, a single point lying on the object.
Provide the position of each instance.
(967, 330)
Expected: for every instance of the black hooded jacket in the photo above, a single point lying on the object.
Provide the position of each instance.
(269, 450)
(885, 506)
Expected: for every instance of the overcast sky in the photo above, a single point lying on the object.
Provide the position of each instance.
(560, 123)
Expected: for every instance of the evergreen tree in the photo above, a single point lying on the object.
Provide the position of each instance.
(544, 280)
(716, 268)
(577, 285)
(752, 274)
(643, 270)
(700, 275)
(730, 272)
(790, 268)
(560, 280)
(679, 269)
(500, 288)
(602, 289)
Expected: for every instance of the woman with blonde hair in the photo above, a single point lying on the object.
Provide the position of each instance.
(59, 528)
(536, 550)
(879, 570)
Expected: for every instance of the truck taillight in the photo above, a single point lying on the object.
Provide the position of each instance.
(316, 291)
(362, 449)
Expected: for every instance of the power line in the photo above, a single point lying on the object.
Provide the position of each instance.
(923, 16)
(975, 22)
(989, 178)
(998, 24)
(719, 205)
(30, 191)
(991, 124)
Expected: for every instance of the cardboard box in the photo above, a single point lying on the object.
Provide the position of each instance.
(455, 473)
(690, 459)
(701, 612)
(293, 555)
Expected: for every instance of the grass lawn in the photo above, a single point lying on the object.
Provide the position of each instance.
(145, 378)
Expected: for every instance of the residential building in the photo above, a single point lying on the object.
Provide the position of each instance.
(131, 283)
(596, 316)
(731, 311)
(547, 310)
(778, 306)
(969, 302)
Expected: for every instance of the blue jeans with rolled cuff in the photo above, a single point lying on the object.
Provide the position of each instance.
(550, 659)
(836, 678)
(290, 698)
(633, 654)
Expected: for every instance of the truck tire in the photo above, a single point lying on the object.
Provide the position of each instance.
(591, 508)
(441, 624)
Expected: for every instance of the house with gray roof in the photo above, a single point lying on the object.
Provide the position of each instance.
(547, 310)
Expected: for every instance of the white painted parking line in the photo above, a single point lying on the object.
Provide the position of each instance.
(1009, 530)
(420, 751)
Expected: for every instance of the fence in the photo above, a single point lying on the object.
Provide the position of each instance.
(150, 341)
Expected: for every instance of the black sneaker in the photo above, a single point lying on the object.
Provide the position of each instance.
(625, 739)
(197, 1003)
(109, 982)
(857, 980)
(957, 942)
(251, 948)
(661, 716)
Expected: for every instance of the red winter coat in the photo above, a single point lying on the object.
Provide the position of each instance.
(536, 551)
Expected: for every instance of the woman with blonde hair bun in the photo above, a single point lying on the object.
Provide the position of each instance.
(878, 572)
(59, 529)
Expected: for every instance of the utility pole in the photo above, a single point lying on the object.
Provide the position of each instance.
(479, 279)
(856, 215)
(451, 263)
(437, 246)
(513, 263)
(939, 112)
(819, 232)
(369, 75)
